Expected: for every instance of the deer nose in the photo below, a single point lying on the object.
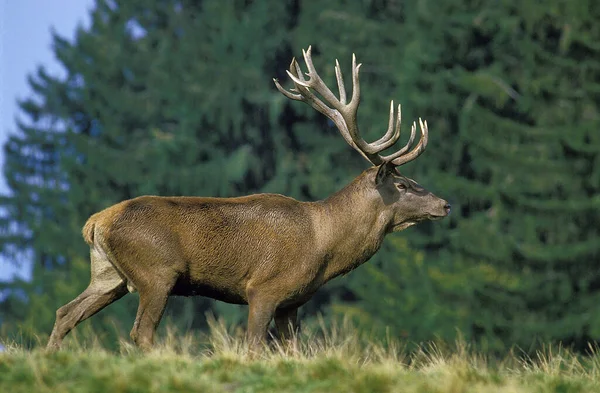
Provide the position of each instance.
(447, 208)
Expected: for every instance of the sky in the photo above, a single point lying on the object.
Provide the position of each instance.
(25, 43)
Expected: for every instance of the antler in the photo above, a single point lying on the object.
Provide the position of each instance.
(343, 114)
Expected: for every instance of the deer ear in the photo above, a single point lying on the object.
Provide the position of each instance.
(383, 172)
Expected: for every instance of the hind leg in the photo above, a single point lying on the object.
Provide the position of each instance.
(154, 292)
(261, 309)
(105, 287)
(286, 321)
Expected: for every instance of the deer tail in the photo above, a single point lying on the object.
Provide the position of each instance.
(88, 230)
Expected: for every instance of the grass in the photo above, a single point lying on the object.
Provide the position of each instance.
(332, 360)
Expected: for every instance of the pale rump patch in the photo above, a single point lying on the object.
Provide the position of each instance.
(104, 275)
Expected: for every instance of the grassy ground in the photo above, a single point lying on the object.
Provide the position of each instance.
(338, 361)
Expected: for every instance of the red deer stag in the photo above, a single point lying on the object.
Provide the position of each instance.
(269, 251)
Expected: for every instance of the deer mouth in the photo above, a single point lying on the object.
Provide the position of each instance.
(402, 225)
(435, 217)
(428, 216)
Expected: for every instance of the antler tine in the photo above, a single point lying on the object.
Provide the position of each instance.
(418, 150)
(404, 149)
(393, 133)
(289, 94)
(295, 67)
(298, 79)
(355, 85)
(315, 82)
(340, 82)
(302, 91)
(286, 93)
(349, 112)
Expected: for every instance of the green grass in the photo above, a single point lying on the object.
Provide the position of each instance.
(335, 361)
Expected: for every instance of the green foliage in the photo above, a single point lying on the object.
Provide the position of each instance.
(400, 296)
(513, 93)
(176, 98)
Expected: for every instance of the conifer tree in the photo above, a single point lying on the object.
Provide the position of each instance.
(512, 90)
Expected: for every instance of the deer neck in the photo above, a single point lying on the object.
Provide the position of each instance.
(350, 226)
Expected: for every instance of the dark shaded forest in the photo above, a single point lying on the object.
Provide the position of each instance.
(175, 97)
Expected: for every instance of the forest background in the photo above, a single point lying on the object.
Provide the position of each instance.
(175, 97)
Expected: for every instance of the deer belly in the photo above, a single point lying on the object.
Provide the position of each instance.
(185, 287)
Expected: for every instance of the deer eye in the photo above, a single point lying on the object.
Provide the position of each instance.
(401, 186)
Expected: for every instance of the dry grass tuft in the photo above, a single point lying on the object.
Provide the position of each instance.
(331, 358)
